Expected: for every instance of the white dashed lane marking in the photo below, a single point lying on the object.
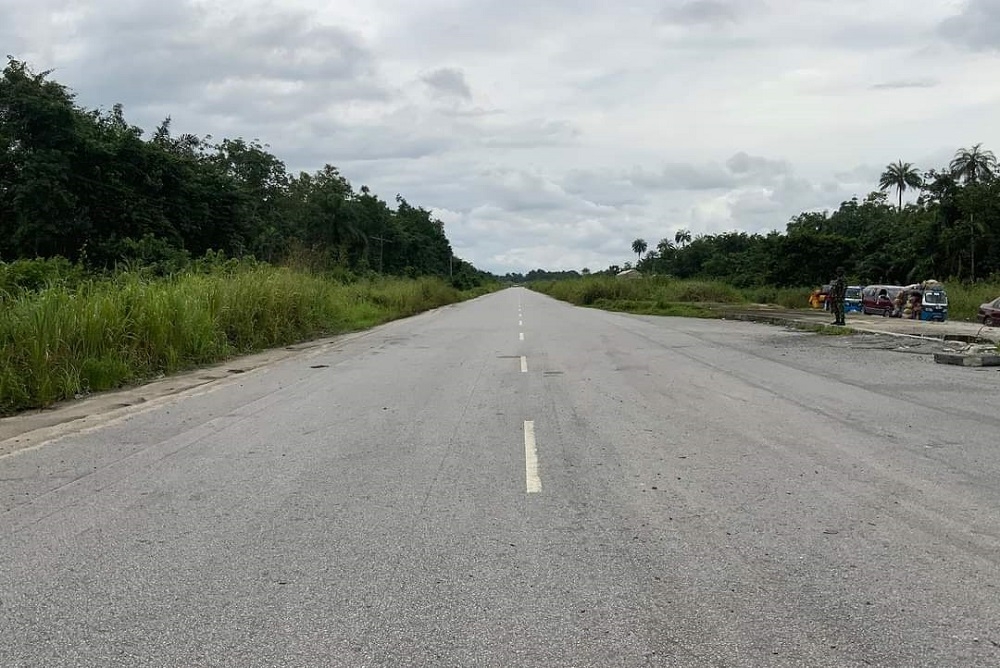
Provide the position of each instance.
(532, 481)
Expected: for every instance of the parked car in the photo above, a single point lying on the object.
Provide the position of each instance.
(852, 299)
(989, 313)
(879, 299)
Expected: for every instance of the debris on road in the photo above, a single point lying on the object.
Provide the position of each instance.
(971, 355)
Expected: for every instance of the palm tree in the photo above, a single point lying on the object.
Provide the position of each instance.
(639, 247)
(899, 175)
(971, 165)
(682, 237)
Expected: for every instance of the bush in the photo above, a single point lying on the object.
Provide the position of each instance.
(150, 254)
(590, 290)
(964, 299)
(34, 275)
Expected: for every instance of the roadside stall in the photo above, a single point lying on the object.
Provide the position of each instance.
(922, 301)
(820, 298)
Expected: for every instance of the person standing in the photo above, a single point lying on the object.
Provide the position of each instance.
(838, 291)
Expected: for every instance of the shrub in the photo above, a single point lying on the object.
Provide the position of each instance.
(34, 275)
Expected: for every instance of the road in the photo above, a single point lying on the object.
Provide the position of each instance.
(514, 481)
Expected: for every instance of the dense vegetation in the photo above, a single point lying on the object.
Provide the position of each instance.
(951, 231)
(123, 257)
(80, 335)
(88, 186)
(541, 275)
(665, 295)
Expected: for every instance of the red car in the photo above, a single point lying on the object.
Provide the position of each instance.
(989, 313)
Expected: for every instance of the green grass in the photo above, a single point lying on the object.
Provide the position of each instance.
(646, 296)
(604, 291)
(824, 330)
(650, 307)
(692, 298)
(784, 297)
(61, 341)
(964, 300)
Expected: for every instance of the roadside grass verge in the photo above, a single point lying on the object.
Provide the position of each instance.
(822, 330)
(964, 300)
(60, 341)
(649, 307)
(663, 295)
(646, 296)
(794, 298)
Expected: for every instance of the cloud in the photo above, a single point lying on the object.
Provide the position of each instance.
(448, 82)
(699, 12)
(859, 175)
(549, 134)
(532, 132)
(604, 187)
(900, 84)
(682, 176)
(740, 169)
(976, 27)
(258, 64)
(755, 167)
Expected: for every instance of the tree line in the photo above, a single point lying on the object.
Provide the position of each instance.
(88, 186)
(950, 232)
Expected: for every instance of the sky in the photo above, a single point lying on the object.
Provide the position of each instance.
(550, 133)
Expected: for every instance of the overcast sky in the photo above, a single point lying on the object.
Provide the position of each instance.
(551, 133)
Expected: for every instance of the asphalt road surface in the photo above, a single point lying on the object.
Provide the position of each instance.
(517, 482)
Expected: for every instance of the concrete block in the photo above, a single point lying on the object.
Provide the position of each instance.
(960, 359)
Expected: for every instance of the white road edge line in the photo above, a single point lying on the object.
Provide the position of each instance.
(533, 482)
(524, 364)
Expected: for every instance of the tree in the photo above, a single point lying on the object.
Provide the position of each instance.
(972, 165)
(86, 185)
(682, 238)
(899, 175)
(639, 247)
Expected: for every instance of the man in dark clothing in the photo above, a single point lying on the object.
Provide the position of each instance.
(838, 291)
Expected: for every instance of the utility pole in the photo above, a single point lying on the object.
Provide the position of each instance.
(381, 248)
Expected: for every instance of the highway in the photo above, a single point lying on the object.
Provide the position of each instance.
(514, 481)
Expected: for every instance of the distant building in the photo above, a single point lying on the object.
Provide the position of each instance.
(629, 273)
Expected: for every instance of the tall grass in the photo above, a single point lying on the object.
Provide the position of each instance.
(784, 297)
(61, 341)
(663, 295)
(659, 291)
(964, 300)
